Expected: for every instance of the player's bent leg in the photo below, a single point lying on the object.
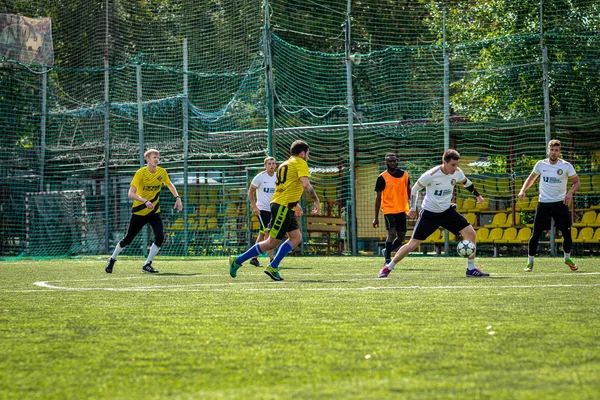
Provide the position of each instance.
(403, 252)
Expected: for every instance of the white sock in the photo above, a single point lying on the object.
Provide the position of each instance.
(567, 256)
(117, 251)
(530, 259)
(470, 263)
(391, 265)
(153, 250)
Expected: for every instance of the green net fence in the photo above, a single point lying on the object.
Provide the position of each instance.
(217, 86)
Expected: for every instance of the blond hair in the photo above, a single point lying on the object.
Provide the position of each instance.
(268, 159)
(150, 151)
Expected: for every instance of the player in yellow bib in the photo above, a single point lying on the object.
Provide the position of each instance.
(292, 181)
(145, 192)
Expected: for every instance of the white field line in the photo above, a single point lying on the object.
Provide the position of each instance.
(277, 286)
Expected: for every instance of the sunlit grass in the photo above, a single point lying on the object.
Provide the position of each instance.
(331, 329)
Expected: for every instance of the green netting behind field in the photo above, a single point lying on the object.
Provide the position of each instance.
(217, 86)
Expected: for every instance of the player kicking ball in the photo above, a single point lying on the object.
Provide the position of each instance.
(438, 210)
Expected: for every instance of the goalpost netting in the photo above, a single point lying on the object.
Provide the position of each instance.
(55, 223)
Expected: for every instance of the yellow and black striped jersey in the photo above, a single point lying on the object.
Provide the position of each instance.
(288, 187)
(148, 185)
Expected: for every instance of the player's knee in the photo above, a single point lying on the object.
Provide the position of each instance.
(158, 240)
(413, 244)
(124, 242)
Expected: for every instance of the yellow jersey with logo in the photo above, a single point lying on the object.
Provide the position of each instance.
(288, 186)
(148, 185)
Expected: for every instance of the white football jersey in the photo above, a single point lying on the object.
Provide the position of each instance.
(439, 188)
(553, 179)
(265, 185)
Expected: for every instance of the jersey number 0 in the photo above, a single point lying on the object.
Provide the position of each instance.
(281, 175)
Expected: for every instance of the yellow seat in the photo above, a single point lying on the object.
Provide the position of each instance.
(589, 217)
(495, 234)
(482, 235)
(211, 223)
(468, 204)
(596, 238)
(211, 210)
(202, 210)
(441, 238)
(573, 236)
(585, 235)
(498, 220)
(192, 223)
(459, 204)
(523, 235)
(533, 203)
(595, 183)
(585, 183)
(483, 206)
(488, 186)
(330, 193)
(435, 237)
(522, 205)
(471, 218)
(178, 224)
(508, 236)
(596, 223)
(509, 221)
(503, 187)
(231, 210)
(519, 180)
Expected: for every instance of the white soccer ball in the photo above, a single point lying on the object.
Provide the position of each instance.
(465, 248)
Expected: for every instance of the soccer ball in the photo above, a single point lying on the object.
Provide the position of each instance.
(465, 248)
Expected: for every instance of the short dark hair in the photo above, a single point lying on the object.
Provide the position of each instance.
(451, 154)
(391, 155)
(298, 147)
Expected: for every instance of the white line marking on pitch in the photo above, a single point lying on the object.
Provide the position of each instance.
(263, 284)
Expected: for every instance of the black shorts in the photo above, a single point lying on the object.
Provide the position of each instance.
(264, 220)
(395, 221)
(558, 211)
(429, 221)
(283, 220)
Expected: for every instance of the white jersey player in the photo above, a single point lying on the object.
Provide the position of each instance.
(437, 210)
(554, 201)
(260, 193)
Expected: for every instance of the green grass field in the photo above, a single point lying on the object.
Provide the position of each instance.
(332, 329)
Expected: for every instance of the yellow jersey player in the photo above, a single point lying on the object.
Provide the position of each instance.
(292, 181)
(145, 192)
